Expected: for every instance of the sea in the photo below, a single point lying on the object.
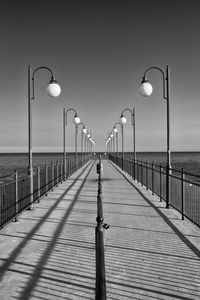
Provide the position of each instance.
(189, 161)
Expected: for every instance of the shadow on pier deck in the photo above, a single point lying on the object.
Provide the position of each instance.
(149, 252)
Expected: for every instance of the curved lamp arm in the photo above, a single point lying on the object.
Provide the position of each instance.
(165, 78)
(66, 112)
(132, 114)
(52, 80)
(118, 123)
(81, 123)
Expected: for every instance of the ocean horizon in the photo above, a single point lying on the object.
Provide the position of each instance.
(188, 160)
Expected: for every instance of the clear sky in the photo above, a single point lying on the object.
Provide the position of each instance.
(99, 51)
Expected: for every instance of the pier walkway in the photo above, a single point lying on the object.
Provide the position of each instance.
(49, 254)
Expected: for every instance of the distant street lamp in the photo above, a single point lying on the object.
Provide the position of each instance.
(123, 121)
(76, 122)
(53, 90)
(112, 141)
(146, 90)
(82, 133)
(107, 145)
(90, 141)
(116, 132)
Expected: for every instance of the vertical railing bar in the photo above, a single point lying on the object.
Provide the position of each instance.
(46, 178)
(38, 184)
(147, 176)
(182, 194)
(52, 175)
(16, 196)
(152, 178)
(160, 183)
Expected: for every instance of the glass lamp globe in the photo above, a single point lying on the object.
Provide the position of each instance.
(88, 135)
(146, 88)
(84, 130)
(123, 120)
(76, 120)
(111, 135)
(115, 129)
(53, 89)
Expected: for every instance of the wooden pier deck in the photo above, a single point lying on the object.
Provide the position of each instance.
(150, 253)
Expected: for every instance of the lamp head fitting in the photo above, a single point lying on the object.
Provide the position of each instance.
(146, 88)
(53, 88)
(84, 130)
(123, 119)
(76, 119)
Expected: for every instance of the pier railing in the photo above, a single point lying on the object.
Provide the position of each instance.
(184, 186)
(15, 189)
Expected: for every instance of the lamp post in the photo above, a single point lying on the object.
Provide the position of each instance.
(53, 90)
(123, 121)
(112, 142)
(107, 145)
(145, 90)
(76, 122)
(116, 132)
(82, 133)
(88, 144)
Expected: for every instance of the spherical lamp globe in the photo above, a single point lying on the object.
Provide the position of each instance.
(145, 89)
(53, 89)
(84, 130)
(76, 120)
(123, 120)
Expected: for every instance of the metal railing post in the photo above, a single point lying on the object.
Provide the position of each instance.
(16, 196)
(46, 178)
(62, 175)
(147, 177)
(152, 178)
(133, 166)
(182, 194)
(160, 183)
(52, 175)
(38, 183)
(141, 173)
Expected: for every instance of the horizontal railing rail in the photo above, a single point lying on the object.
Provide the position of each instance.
(15, 193)
(184, 187)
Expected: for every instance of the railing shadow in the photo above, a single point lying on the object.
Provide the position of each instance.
(9, 263)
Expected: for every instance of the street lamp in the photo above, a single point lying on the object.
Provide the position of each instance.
(112, 141)
(123, 121)
(88, 135)
(108, 144)
(53, 90)
(146, 90)
(76, 122)
(82, 133)
(116, 132)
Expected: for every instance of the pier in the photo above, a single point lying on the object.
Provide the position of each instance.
(150, 252)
